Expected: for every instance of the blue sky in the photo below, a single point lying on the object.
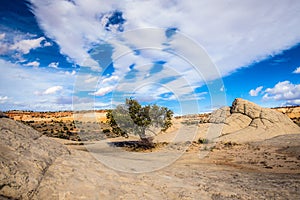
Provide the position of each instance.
(191, 56)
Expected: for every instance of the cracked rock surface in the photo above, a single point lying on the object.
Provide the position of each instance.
(25, 156)
(245, 118)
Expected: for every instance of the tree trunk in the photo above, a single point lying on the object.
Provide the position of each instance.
(147, 141)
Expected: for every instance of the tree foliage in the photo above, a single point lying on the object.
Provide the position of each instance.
(133, 118)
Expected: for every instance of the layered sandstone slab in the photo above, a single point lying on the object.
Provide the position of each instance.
(25, 156)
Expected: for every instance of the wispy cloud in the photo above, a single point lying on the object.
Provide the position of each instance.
(3, 99)
(187, 65)
(91, 79)
(25, 46)
(47, 44)
(244, 26)
(73, 73)
(54, 65)
(24, 82)
(103, 91)
(110, 79)
(297, 71)
(53, 90)
(2, 36)
(255, 92)
(32, 64)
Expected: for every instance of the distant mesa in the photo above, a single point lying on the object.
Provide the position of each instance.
(246, 121)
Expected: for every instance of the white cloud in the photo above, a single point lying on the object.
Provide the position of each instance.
(2, 36)
(103, 91)
(52, 90)
(285, 90)
(54, 65)
(91, 79)
(3, 48)
(73, 73)
(222, 88)
(297, 71)
(295, 102)
(47, 44)
(242, 33)
(85, 82)
(255, 92)
(110, 79)
(3, 99)
(241, 26)
(32, 64)
(22, 82)
(26, 45)
(89, 62)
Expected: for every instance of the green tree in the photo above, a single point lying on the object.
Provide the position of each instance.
(132, 118)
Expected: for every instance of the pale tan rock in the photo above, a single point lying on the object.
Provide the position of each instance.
(246, 121)
(25, 156)
(245, 107)
(235, 122)
(220, 115)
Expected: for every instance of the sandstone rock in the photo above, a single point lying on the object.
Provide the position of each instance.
(261, 117)
(220, 115)
(235, 122)
(246, 121)
(25, 156)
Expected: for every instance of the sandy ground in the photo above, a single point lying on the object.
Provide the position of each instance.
(268, 169)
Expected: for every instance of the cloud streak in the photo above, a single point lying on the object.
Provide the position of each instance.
(32, 64)
(52, 90)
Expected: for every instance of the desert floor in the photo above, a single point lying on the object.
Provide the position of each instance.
(268, 169)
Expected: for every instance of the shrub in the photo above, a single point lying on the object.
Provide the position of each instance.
(133, 118)
(203, 141)
(230, 144)
(106, 131)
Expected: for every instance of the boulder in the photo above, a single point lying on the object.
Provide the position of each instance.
(246, 121)
(25, 156)
(261, 117)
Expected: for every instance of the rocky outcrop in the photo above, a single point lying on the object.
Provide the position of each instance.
(291, 112)
(25, 156)
(220, 115)
(261, 117)
(2, 115)
(246, 117)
